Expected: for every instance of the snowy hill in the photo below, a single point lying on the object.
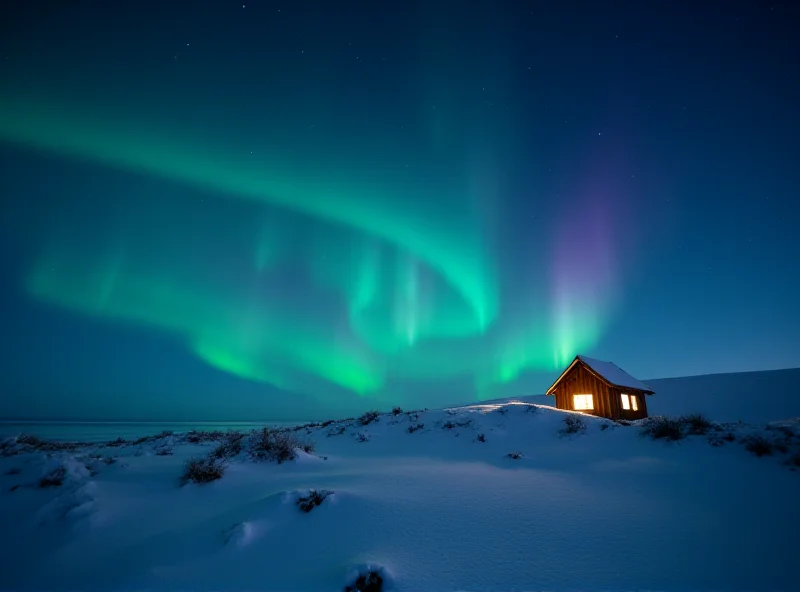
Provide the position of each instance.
(746, 396)
(482, 497)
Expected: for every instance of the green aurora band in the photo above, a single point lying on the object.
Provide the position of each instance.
(419, 294)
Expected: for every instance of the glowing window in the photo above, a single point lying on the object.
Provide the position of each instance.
(582, 402)
(626, 401)
(634, 403)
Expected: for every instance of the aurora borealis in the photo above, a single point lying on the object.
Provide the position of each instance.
(320, 207)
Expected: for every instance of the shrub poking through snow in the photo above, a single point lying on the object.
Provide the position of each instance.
(368, 418)
(337, 431)
(396, 411)
(362, 437)
(514, 455)
(758, 445)
(31, 440)
(449, 425)
(786, 431)
(604, 426)
(118, 442)
(502, 410)
(794, 461)
(54, 478)
(716, 439)
(232, 444)
(261, 443)
(414, 427)
(313, 499)
(202, 436)
(663, 428)
(480, 437)
(573, 424)
(696, 424)
(25, 442)
(145, 439)
(202, 470)
(369, 581)
(276, 445)
(164, 451)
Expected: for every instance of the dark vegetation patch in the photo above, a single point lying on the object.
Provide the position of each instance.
(758, 445)
(153, 438)
(231, 445)
(784, 431)
(501, 410)
(480, 437)
(117, 443)
(717, 439)
(336, 431)
(663, 428)
(164, 451)
(396, 411)
(275, 445)
(794, 461)
(29, 442)
(203, 470)
(676, 428)
(362, 437)
(450, 425)
(13, 471)
(514, 455)
(414, 427)
(369, 581)
(314, 498)
(573, 424)
(604, 426)
(204, 436)
(696, 424)
(54, 478)
(368, 418)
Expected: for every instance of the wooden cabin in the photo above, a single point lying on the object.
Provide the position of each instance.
(600, 388)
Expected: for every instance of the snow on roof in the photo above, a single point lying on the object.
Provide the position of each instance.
(614, 374)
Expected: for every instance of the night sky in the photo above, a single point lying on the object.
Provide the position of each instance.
(217, 210)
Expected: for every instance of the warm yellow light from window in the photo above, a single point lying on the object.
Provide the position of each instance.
(582, 402)
(626, 402)
(635, 403)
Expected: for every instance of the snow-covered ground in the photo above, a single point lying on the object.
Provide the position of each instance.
(605, 508)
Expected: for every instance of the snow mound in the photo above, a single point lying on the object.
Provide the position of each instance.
(241, 534)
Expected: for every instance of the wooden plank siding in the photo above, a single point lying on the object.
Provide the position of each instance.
(607, 399)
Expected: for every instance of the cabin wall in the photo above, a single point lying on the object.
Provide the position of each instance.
(582, 382)
(630, 413)
(607, 400)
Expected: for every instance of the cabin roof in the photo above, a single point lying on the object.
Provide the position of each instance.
(606, 371)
